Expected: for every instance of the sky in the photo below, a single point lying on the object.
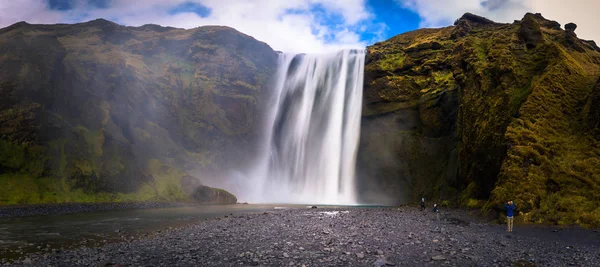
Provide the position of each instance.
(301, 26)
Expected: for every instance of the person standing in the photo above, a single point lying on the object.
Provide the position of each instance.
(510, 210)
(436, 211)
(422, 203)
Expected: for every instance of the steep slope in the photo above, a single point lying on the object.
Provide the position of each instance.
(485, 112)
(93, 109)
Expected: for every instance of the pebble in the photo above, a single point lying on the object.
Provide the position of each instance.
(438, 258)
(360, 237)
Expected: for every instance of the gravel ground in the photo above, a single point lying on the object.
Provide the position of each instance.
(54, 209)
(342, 237)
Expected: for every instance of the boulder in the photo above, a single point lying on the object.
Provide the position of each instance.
(208, 195)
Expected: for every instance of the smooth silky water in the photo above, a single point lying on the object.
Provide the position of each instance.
(312, 132)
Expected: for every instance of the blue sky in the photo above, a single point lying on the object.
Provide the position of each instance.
(389, 16)
(300, 25)
(396, 18)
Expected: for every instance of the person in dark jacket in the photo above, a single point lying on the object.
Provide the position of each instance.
(436, 211)
(510, 212)
(422, 203)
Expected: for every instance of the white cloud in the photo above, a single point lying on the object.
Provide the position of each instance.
(437, 13)
(33, 11)
(303, 30)
(581, 12)
(306, 29)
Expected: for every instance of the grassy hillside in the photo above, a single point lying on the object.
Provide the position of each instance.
(101, 112)
(482, 113)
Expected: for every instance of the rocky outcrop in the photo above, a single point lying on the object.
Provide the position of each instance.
(96, 108)
(192, 187)
(570, 27)
(209, 195)
(530, 31)
(481, 113)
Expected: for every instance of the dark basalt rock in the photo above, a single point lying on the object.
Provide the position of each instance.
(570, 27)
(530, 32)
(472, 18)
(209, 195)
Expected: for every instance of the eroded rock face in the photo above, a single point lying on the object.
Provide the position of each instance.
(484, 112)
(530, 31)
(109, 108)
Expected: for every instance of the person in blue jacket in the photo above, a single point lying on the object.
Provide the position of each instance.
(422, 203)
(510, 210)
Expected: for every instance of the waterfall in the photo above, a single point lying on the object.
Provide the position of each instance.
(312, 132)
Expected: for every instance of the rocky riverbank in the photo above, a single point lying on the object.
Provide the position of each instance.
(55, 209)
(341, 237)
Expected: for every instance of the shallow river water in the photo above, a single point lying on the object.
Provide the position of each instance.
(44, 233)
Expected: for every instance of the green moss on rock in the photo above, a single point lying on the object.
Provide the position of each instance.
(89, 110)
(507, 109)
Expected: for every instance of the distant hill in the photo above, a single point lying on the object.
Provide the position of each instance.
(97, 111)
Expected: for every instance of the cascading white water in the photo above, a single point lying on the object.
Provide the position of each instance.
(312, 133)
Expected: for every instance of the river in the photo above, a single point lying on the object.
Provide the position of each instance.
(23, 235)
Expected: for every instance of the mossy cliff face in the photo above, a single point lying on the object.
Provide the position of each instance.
(101, 112)
(483, 113)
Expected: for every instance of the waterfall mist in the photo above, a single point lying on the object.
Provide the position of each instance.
(312, 131)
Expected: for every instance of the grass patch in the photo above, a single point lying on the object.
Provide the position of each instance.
(392, 62)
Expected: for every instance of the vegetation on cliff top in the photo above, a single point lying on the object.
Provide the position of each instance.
(505, 111)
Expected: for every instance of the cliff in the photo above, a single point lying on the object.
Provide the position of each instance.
(482, 113)
(97, 111)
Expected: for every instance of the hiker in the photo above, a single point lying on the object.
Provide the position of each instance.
(422, 203)
(510, 209)
(436, 211)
